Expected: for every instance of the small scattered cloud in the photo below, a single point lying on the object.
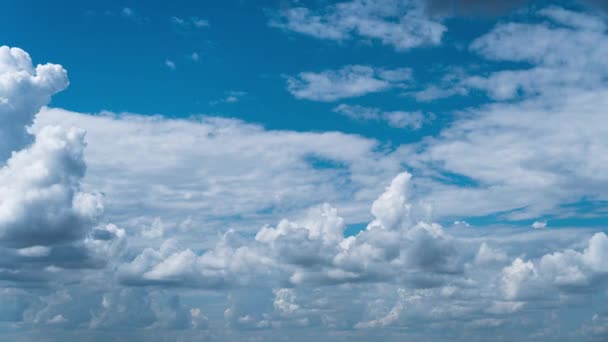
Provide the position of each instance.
(127, 12)
(170, 64)
(130, 14)
(397, 119)
(232, 96)
(346, 82)
(539, 224)
(189, 23)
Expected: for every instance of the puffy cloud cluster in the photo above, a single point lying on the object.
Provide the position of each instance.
(23, 90)
(45, 216)
(402, 24)
(398, 245)
(41, 202)
(349, 81)
(568, 270)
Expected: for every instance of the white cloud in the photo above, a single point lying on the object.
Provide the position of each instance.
(221, 170)
(565, 54)
(528, 157)
(396, 119)
(170, 64)
(349, 81)
(189, 23)
(41, 201)
(232, 96)
(567, 270)
(130, 14)
(23, 90)
(401, 24)
(539, 224)
(313, 250)
(127, 12)
(488, 255)
(181, 183)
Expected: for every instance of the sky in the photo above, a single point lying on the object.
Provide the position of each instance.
(420, 170)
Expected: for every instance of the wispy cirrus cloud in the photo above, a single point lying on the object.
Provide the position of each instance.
(397, 119)
(400, 24)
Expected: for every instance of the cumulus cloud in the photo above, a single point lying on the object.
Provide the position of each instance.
(349, 81)
(23, 90)
(567, 270)
(45, 215)
(396, 245)
(400, 24)
(41, 202)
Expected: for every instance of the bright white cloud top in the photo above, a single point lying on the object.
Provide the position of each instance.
(129, 226)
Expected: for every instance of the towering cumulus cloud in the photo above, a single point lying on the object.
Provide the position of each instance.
(44, 215)
(24, 89)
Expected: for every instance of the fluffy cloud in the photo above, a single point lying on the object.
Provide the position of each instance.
(23, 90)
(221, 171)
(349, 81)
(41, 203)
(568, 270)
(398, 23)
(395, 245)
(45, 216)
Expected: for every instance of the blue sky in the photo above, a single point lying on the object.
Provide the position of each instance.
(338, 170)
(129, 55)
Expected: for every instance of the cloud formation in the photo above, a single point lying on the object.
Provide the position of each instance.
(401, 24)
(346, 82)
(397, 244)
(184, 249)
(45, 216)
(23, 90)
(41, 202)
(396, 119)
